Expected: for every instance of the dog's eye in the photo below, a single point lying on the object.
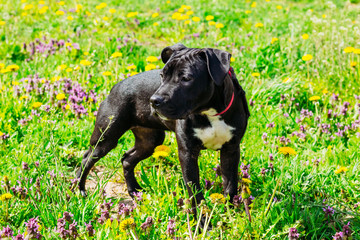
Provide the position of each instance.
(185, 79)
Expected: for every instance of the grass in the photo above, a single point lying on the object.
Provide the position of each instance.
(316, 190)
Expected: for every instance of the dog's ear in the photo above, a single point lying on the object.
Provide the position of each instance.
(218, 64)
(168, 51)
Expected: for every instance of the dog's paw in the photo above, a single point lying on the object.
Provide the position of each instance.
(83, 193)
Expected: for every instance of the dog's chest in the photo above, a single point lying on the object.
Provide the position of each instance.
(218, 133)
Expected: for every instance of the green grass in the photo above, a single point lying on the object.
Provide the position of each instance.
(293, 194)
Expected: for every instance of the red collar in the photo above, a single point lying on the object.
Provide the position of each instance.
(231, 101)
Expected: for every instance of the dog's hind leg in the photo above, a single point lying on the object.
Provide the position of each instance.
(104, 138)
(146, 140)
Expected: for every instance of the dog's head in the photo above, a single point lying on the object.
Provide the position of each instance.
(189, 78)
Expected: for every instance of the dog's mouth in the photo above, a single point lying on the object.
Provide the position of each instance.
(168, 116)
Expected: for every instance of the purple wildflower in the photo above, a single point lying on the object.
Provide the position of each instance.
(147, 224)
(6, 232)
(32, 228)
(171, 227)
(89, 229)
(338, 236)
(329, 211)
(293, 234)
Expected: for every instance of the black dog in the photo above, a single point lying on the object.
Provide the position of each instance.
(196, 95)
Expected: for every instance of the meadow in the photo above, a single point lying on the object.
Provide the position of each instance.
(298, 61)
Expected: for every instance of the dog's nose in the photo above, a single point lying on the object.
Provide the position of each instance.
(157, 100)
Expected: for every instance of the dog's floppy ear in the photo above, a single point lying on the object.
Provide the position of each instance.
(168, 51)
(218, 64)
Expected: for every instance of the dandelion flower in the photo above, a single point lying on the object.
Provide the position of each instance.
(253, 5)
(356, 50)
(341, 170)
(107, 73)
(305, 36)
(196, 19)
(106, 18)
(162, 148)
(101, 6)
(85, 62)
(217, 197)
(247, 11)
(61, 67)
(131, 14)
(5, 196)
(279, 7)
(154, 15)
(159, 154)
(349, 49)
(255, 74)
(13, 67)
(116, 54)
(307, 57)
(219, 25)
(59, 12)
(36, 104)
(28, 7)
(2, 65)
(131, 67)
(246, 181)
(60, 96)
(133, 73)
(314, 98)
(189, 13)
(273, 40)
(69, 70)
(325, 91)
(212, 23)
(258, 25)
(151, 59)
(2, 23)
(112, 10)
(353, 64)
(287, 151)
(126, 224)
(150, 67)
(155, 24)
(232, 59)
(70, 18)
(209, 17)
(61, 3)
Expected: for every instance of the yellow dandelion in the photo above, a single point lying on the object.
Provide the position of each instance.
(176, 15)
(2, 23)
(219, 25)
(305, 36)
(59, 12)
(341, 170)
(273, 40)
(154, 15)
(43, 9)
(107, 73)
(307, 57)
(85, 62)
(356, 50)
(61, 3)
(70, 18)
(28, 7)
(187, 22)
(116, 55)
(112, 10)
(324, 16)
(209, 17)
(279, 7)
(353, 64)
(253, 5)
(5, 70)
(325, 91)
(212, 23)
(189, 13)
(126, 224)
(247, 12)
(162, 148)
(77, 68)
(181, 10)
(2, 65)
(88, 13)
(101, 6)
(155, 24)
(287, 151)
(259, 25)
(61, 67)
(36, 104)
(132, 14)
(133, 73)
(159, 154)
(150, 67)
(246, 181)
(106, 18)
(187, 7)
(23, 97)
(13, 67)
(217, 197)
(60, 96)
(5, 196)
(68, 44)
(67, 107)
(232, 59)
(196, 19)
(151, 59)
(131, 67)
(69, 70)
(349, 49)
(255, 74)
(314, 98)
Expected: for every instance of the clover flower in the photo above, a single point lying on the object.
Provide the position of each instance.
(293, 234)
(171, 227)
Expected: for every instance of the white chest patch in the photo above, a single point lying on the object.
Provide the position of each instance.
(217, 134)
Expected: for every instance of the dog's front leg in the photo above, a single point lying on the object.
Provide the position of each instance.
(229, 158)
(188, 156)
